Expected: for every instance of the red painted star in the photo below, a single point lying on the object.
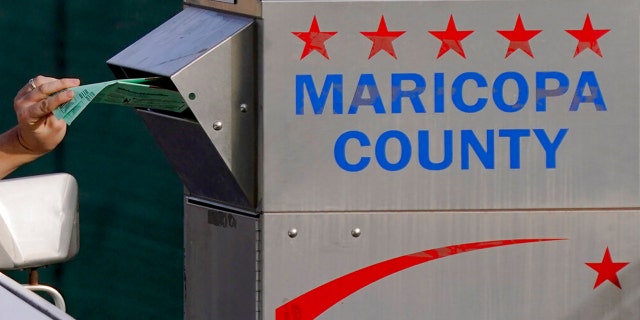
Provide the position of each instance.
(382, 39)
(519, 38)
(588, 37)
(314, 39)
(607, 269)
(451, 38)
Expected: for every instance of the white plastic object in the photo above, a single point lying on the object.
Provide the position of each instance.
(58, 300)
(38, 220)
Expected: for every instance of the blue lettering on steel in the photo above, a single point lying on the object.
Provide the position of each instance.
(355, 150)
(498, 94)
(514, 136)
(438, 93)
(368, 82)
(542, 92)
(471, 147)
(424, 152)
(549, 147)
(413, 95)
(368, 94)
(332, 82)
(381, 150)
(468, 140)
(588, 79)
(457, 90)
(339, 151)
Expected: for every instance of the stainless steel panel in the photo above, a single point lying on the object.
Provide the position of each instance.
(547, 278)
(221, 258)
(210, 58)
(595, 164)
(246, 7)
(220, 89)
(172, 46)
(195, 159)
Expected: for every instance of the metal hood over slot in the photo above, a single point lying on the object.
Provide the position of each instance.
(209, 57)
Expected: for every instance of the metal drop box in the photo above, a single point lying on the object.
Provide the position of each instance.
(403, 159)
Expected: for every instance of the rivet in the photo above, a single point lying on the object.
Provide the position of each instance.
(292, 233)
(217, 126)
(243, 108)
(356, 232)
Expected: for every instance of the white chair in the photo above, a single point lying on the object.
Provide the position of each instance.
(38, 225)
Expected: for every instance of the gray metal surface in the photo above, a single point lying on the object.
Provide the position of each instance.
(179, 41)
(209, 57)
(245, 7)
(594, 164)
(195, 159)
(18, 303)
(224, 85)
(529, 281)
(221, 262)
(417, 159)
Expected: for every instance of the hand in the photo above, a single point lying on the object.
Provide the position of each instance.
(39, 131)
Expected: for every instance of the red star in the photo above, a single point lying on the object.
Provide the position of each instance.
(519, 38)
(451, 38)
(588, 37)
(607, 269)
(382, 39)
(314, 39)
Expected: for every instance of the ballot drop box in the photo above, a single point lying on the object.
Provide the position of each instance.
(403, 159)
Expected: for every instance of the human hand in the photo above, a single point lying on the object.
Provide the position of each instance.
(39, 131)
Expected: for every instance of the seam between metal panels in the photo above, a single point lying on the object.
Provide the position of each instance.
(458, 210)
(258, 293)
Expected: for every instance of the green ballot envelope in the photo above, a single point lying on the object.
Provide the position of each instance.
(139, 93)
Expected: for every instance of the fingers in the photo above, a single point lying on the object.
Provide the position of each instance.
(47, 86)
(39, 110)
(44, 87)
(40, 96)
(32, 84)
(38, 128)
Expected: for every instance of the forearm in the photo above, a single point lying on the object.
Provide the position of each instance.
(13, 154)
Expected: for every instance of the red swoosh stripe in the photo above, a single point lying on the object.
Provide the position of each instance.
(313, 303)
